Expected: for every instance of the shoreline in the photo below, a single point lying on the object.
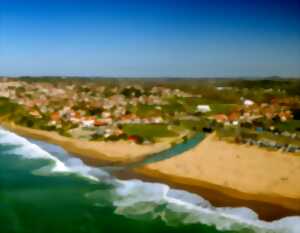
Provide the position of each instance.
(92, 152)
(216, 195)
(268, 208)
(175, 171)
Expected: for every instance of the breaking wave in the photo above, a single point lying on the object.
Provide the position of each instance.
(143, 200)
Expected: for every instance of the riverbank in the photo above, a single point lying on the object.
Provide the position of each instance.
(229, 174)
(98, 153)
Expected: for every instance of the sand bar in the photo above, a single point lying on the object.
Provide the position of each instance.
(100, 152)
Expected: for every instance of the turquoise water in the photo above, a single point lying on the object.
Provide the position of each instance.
(44, 189)
(174, 150)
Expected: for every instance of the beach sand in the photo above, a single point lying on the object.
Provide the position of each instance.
(99, 153)
(235, 175)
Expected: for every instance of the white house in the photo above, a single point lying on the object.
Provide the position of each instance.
(248, 102)
(88, 123)
(203, 108)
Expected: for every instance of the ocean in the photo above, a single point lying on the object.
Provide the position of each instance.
(45, 189)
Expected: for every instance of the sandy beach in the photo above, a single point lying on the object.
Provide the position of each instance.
(100, 153)
(236, 175)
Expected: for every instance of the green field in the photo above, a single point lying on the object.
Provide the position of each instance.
(7, 107)
(148, 131)
(145, 110)
(290, 126)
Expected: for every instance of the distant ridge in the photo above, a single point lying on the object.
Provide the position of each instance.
(165, 78)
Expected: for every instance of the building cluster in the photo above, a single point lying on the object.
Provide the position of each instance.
(264, 118)
(267, 143)
(251, 112)
(87, 106)
(88, 109)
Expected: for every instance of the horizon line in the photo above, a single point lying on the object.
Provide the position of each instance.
(157, 77)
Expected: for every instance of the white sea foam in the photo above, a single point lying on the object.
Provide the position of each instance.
(76, 165)
(134, 198)
(135, 191)
(191, 208)
(188, 197)
(28, 150)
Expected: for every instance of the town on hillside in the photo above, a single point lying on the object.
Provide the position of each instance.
(265, 113)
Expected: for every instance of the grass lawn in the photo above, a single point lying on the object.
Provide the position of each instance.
(290, 126)
(194, 125)
(148, 131)
(144, 110)
(190, 105)
(7, 107)
(221, 108)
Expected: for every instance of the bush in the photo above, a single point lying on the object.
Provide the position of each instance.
(248, 135)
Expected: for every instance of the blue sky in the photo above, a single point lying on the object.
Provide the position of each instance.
(150, 38)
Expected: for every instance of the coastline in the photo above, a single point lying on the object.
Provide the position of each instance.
(239, 187)
(98, 153)
(234, 175)
(218, 196)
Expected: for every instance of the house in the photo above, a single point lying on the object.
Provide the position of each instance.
(132, 138)
(157, 120)
(35, 114)
(285, 115)
(234, 116)
(99, 122)
(220, 118)
(87, 123)
(75, 120)
(55, 116)
(203, 108)
(106, 114)
(248, 103)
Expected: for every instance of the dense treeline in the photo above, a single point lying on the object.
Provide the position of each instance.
(203, 86)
